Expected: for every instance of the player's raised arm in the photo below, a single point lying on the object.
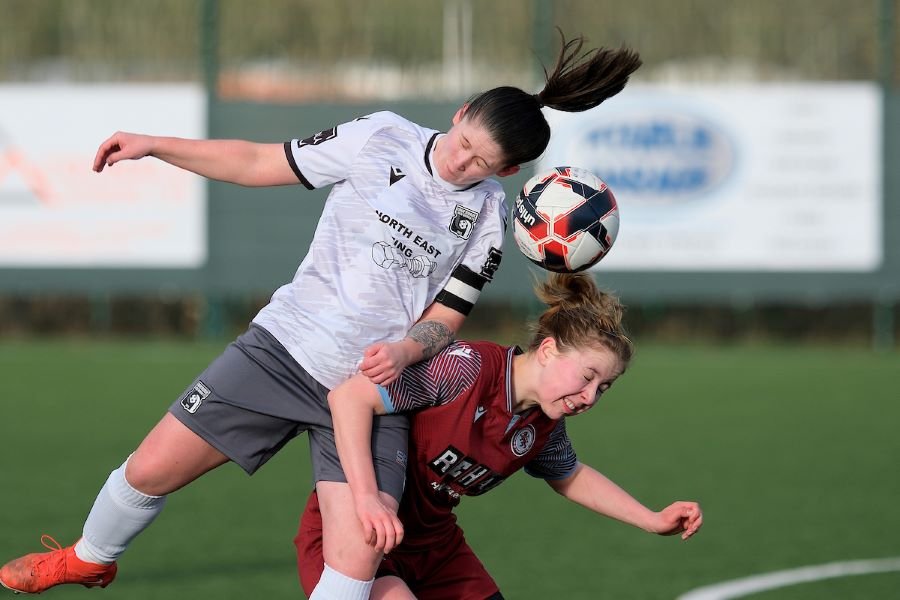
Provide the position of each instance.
(590, 488)
(353, 405)
(233, 161)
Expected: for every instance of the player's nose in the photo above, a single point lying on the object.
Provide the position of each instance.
(458, 163)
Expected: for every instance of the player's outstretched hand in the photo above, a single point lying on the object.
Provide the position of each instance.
(381, 527)
(679, 517)
(122, 146)
(382, 363)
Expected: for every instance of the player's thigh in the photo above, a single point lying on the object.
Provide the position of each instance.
(343, 544)
(170, 457)
(252, 400)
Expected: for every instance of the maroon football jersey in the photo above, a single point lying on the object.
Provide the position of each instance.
(467, 441)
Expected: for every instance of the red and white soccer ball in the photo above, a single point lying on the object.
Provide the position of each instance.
(565, 219)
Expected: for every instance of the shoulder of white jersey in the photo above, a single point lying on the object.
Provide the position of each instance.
(495, 201)
(386, 116)
(494, 187)
(326, 157)
(483, 257)
(387, 119)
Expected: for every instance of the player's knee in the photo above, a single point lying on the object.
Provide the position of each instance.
(145, 475)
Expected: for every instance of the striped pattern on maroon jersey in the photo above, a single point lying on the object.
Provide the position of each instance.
(557, 459)
(436, 381)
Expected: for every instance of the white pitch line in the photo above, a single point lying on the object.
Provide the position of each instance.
(737, 588)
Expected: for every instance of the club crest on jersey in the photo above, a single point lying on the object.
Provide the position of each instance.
(195, 397)
(463, 221)
(522, 441)
(318, 138)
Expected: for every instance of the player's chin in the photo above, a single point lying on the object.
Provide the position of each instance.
(562, 411)
(462, 181)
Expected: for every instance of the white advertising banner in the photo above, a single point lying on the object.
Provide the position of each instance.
(55, 211)
(753, 177)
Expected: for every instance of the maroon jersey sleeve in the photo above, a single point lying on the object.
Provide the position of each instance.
(557, 459)
(433, 382)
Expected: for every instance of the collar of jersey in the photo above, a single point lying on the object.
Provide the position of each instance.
(429, 152)
(512, 351)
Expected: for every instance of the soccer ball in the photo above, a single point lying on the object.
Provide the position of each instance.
(565, 219)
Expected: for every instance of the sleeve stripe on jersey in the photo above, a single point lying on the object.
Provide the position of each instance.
(294, 167)
(462, 291)
(557, 460)
(386, 400)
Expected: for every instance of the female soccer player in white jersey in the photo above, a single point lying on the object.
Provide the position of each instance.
(482, 412)
(410, 233)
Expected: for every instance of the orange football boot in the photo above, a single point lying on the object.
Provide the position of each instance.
(34, 573)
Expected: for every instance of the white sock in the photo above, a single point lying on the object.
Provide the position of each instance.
(337, 586)
(119, 514)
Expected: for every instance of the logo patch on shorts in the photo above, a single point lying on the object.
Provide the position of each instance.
(194, 398)
(522, 441)
(401, 458)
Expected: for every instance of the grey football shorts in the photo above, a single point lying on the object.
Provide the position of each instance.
(255, 398)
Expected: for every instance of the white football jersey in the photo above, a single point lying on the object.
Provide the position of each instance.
(393, 238)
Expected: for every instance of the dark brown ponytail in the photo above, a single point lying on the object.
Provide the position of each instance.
(579, 81)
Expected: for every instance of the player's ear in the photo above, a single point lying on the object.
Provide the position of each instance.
(507, 171)
(460, 113)
(546, 349)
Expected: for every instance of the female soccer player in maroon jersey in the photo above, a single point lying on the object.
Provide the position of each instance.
(483, 411)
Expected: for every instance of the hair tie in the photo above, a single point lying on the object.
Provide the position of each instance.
(537, 98)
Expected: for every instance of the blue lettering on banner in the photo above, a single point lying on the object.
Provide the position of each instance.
(661, 180)
(657, 157)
